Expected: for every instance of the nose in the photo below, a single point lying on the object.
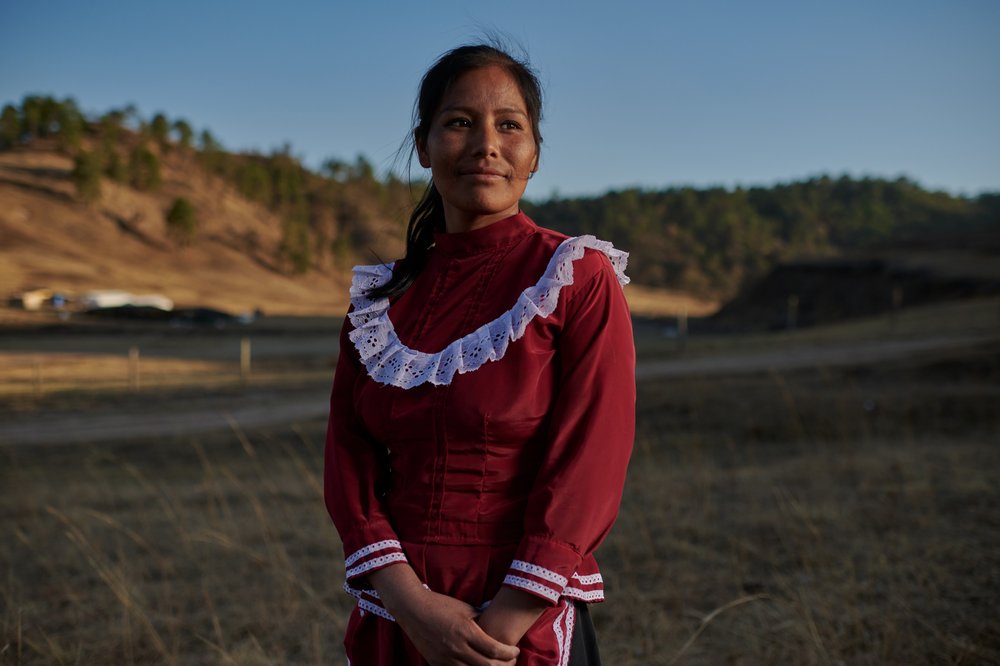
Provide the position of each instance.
(486, 141)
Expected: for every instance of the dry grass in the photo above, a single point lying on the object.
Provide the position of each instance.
(184, 552)
(657, 302)
(60, 372)
(844, 517)
(954, 319)
(90, 355)
(837, 519)
(39, 374)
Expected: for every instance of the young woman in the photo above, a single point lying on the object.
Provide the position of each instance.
(483, 408)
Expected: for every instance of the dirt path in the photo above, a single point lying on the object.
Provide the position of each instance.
(858, 353)
(166, 418)
(264, 407)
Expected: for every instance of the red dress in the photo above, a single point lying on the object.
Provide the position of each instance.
(480, 428)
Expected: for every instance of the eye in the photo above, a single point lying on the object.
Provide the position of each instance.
(458, 121)
(510, 125)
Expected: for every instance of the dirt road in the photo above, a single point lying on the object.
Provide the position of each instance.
(261, 407)
(250, 410)
(858, 353)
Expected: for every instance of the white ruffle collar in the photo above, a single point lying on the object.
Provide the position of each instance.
(389, 361)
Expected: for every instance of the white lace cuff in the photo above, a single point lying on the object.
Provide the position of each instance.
(372, 558)
(389, 361)
(549, 585)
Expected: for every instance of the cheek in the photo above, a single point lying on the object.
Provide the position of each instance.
(524, 154)
(442, 154)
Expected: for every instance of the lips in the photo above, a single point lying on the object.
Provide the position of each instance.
(485, 172)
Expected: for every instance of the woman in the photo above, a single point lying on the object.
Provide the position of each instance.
(483, 407)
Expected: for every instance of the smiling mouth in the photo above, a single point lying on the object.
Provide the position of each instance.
(484, 174)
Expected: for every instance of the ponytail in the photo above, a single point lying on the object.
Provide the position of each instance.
(426, 217)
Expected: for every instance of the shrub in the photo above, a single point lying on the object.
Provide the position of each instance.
(182, 221)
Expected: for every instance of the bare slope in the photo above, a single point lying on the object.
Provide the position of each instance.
(48, 237)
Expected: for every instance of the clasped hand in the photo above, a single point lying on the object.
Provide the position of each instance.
(443, 629)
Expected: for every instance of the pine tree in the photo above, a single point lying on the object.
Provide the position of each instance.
(110, 126)
(10, 127)
(295, 242)
(87, 176)
(71, 124)
(184, 132)
(144, 168)
(114, 167)
(159, 129)
(212, 156)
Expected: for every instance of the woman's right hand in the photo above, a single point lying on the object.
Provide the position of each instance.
(442, 628)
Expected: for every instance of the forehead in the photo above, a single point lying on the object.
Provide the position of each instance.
(484, 88)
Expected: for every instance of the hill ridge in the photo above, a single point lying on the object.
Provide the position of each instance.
(255, 230)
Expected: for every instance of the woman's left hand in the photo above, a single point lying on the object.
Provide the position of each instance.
(511, 614)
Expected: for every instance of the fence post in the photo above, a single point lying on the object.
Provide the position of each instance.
(133, 368)
(244, 360)
(37, 379)
(682, 330)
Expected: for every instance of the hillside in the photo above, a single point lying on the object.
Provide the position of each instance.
(823, 291)
(48, 237)
(84, 205)
(716, 241)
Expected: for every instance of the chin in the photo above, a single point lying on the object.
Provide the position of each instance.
(487, 207)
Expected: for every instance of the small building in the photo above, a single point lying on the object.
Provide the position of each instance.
(153, 301)
(115, 298)
(32, 299)
(104, 298)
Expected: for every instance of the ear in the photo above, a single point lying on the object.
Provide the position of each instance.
(534, 164)
(422, 155)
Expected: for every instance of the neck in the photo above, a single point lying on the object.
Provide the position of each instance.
(456, 221)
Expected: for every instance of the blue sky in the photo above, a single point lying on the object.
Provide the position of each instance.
(649, 94)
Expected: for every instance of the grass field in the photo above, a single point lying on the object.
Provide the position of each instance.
(40, 355)
(820, 516)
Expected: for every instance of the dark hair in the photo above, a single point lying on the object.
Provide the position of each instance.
(428, 214)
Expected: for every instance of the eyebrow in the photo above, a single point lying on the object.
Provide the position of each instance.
(501, 110)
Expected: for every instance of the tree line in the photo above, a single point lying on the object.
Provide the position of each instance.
(703, 240)
(713, 240)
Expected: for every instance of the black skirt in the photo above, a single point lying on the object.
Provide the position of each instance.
(583, 646)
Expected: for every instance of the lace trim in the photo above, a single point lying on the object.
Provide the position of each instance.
(531, 586)
(564, 640)
(372, 548)
(375, 563)
(541, 572)
(389, 361)
(592, 579)
(377, 610)
(368, 605)
(583, 595)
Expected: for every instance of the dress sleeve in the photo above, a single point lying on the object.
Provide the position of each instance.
(351, 473)
(576, 495)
